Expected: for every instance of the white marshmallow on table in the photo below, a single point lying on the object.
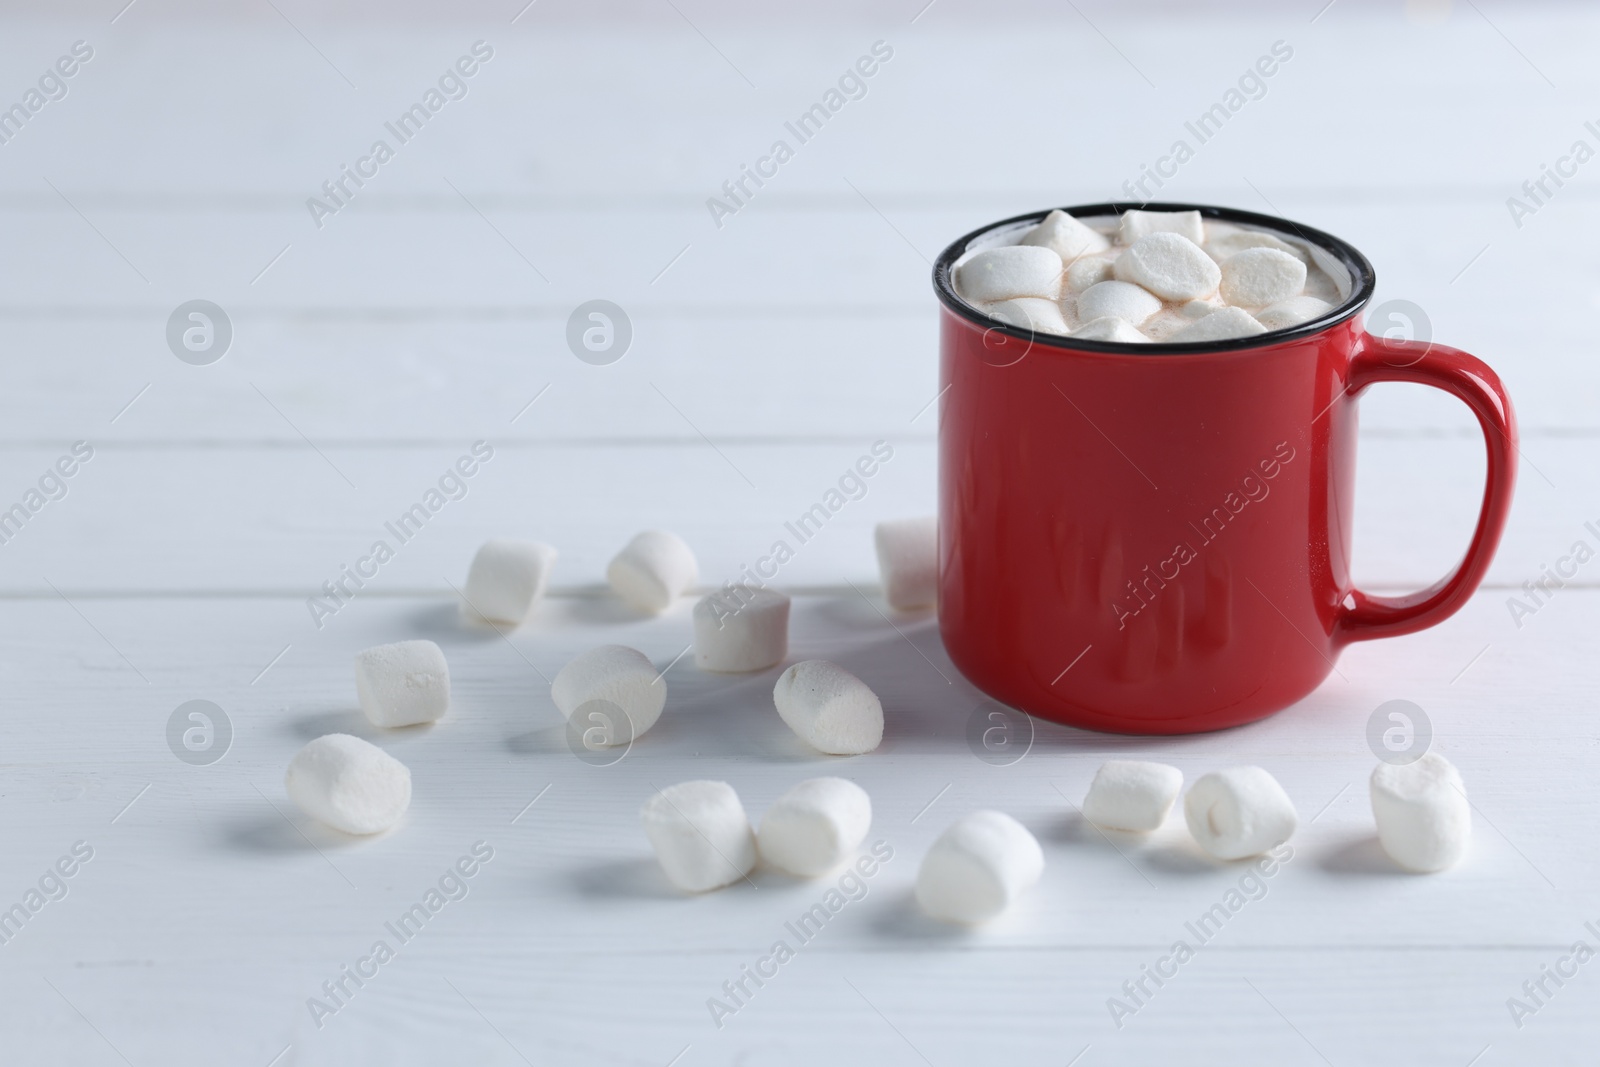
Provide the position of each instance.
(1066, 237)
(741, 628)
(1292, 312)
(349, 784)
(1223, 245)
(831, 709)
(594, 686)
(1132, 795)
(1117, 300)
(1109, 329)
(1136, 224)
(403, 684)
(1257, 277)
(1169, 265)
(700, 834)
(1087, 272)
(908, 561)
(1239, 812)
(1010, 271)
(978, 867)
(1222, 324)
(507, 577)
(1029, 313)
(1424, 820)
(815, 826)
(653, 570)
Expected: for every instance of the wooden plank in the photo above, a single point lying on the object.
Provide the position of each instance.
(239, 912)
(655, 106)
(839, 335)
(284, 519)
(953, 1005)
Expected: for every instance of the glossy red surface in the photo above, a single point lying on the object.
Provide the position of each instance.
(1161, 543)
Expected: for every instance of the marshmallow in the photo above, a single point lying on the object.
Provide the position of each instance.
(1132, 795)
(506, 578)
(1171, 266)
(1029, 313)
(1137, 224)
(403, 684)
(1223, 245)
(652, 571)
(592, 688)
(1292, 312)
(701, 835)
(1257, 277)
(1220, 325)
(908, 561)
(1117, 300)
(1066, 237)
(1010, 271)
(1170, 278)
(831, 709)
(1087, 272)
(350, 784)
(1108, 328)
(741, 628)
(1239, 812)
(813, 827)
(978, 867)
(1424, 820)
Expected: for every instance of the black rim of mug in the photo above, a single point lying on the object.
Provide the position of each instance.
(1362, 278)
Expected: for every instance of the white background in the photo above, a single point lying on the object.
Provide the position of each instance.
(767, 355)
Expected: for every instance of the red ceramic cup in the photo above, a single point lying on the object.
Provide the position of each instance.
(1156, 539)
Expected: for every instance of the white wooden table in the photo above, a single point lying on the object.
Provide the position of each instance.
(767, 354)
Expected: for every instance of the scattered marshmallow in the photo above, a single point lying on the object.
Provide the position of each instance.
(1029, 313)
(1197, 309)
(815, 826)
(1132, 795)
(1222, 324)
(653, 570)
(908, 561)
(403, 684)
(978, 867)
(1010, 271)
(350, 784)
(1137, 224)
(1239, 812)
(1108, 328)
(1257, 277)
(1220, 246)
(701, 834)
(741, 628)
(1292, 312)
(1066, 237)
(1424, 820)
(1171, 266)
(1087, 272)
(507, 577)
(594, 686)
(831, 709)
(1117, 300)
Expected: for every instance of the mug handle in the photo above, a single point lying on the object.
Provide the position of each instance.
(1381, 359)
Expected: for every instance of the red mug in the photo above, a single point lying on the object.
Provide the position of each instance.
(1157, 540)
